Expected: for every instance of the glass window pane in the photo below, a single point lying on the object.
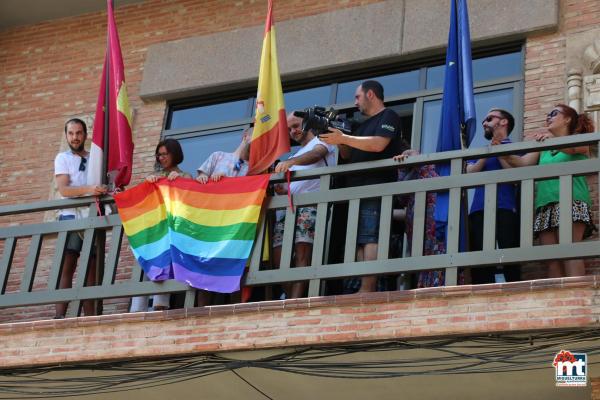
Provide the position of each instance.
(486, 68)
(209, 114)
(435, 77)
(346, 90)
(197, 149)
(483, 102)
(430, 125)
(301, 99)
(393, 85)
(496, 66)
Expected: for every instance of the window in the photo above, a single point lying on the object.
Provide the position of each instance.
(484, 100)
(415, 94)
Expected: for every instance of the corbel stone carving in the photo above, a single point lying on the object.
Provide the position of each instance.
(583, 78)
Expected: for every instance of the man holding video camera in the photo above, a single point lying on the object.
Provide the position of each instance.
(376, 138)
(497, 126)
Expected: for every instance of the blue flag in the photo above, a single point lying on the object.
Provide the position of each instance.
(457, 122)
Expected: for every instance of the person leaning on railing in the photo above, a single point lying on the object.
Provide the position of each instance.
(497, 126)
(313, 153)
(71, 180)
(376, 138)
(168, 155)
(215, 167)
(433, 240)
(561, 121)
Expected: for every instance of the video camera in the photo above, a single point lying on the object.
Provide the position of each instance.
(320, 120)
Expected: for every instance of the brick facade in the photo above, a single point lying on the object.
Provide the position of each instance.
(50, 72)
(462, 310)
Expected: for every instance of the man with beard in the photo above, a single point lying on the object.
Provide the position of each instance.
(313, 153)
(497, 125)
(71, 178)
(377, 138)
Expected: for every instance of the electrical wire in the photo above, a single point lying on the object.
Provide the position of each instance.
(451, 356)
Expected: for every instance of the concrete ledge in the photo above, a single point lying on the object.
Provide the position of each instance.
(332, 42)
(545, 305)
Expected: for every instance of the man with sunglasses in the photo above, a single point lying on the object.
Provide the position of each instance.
(71, 180)
(497, 126)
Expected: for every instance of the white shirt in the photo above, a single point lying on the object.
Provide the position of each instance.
(329, 160)
(67, 163)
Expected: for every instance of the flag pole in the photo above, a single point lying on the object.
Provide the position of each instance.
(101, 234)
(106, 110)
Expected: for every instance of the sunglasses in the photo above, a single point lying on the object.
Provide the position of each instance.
(554, 113)
(490, 118)
(82, 164)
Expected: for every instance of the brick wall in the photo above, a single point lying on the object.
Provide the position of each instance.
(420, 313)
(50, 72)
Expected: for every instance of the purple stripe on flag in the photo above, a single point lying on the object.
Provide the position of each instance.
(199, 280)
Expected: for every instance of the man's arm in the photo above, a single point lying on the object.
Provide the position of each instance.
(514, 161)
(65, 190)
(373, 144)
(476, 166)
(310, 157)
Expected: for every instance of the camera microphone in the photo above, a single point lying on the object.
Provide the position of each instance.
(300, 114)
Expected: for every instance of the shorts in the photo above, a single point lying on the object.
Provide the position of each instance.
(306, 217)
(547, 217)
(368, 221)
(74, 239)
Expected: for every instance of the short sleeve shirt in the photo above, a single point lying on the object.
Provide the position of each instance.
(506, 192)
(385, 124)
(67, 163)
(312, 185)
(227, 164)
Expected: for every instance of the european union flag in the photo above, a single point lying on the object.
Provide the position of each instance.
(457, 122)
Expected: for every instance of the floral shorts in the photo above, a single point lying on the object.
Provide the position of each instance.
(306, 218)
(547, 217)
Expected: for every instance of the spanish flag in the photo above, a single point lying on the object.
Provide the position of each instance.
(201, 235)
(112, 107)
(270, 137)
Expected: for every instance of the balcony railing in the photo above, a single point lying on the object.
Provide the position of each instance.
(18, 275)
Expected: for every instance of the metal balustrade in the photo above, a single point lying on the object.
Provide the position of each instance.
(96, 228)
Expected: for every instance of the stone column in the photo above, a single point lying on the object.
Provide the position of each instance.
(574, 93)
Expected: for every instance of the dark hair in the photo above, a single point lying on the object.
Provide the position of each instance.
(507, 116)
(173, 147)
(76, 121)
(374, 86)
(580, 123)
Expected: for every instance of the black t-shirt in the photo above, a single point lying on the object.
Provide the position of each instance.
(386, 124)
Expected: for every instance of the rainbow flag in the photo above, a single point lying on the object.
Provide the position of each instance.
(270, 136)
(197, 234)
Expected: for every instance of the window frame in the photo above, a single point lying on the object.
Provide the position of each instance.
(419, 97)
